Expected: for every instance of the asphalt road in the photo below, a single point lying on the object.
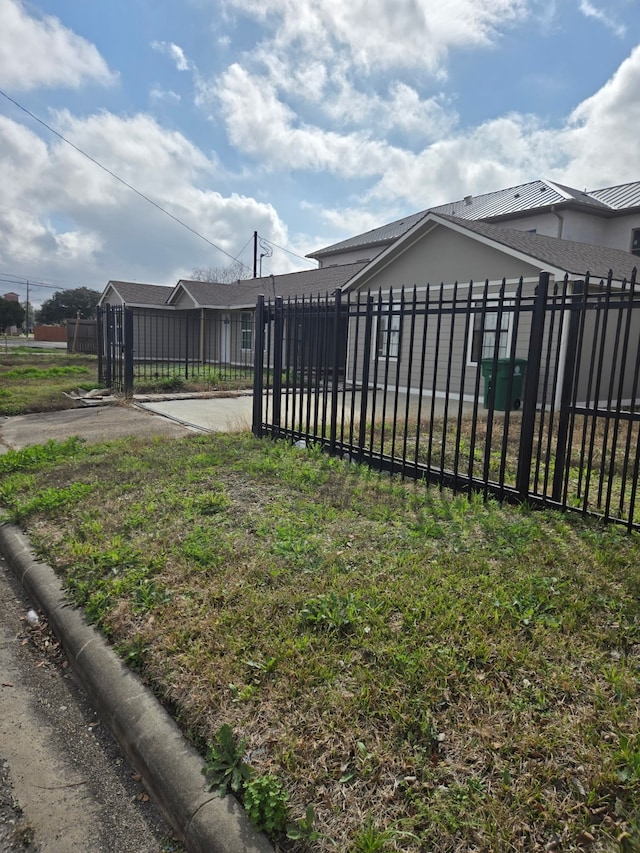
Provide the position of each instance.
(64, 785)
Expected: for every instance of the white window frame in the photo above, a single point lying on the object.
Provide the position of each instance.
(635, 241)
(246, 330)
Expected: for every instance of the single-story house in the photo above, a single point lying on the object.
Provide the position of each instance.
(225, 313)
(210, 322)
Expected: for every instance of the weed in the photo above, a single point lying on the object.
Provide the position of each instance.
(51, 500)
(172, 383)
(627, 759)
(148, 594)
(212, 502)
(303, 829)
(370, 839)
(134, 653)
(332, 612)
(39, 455)
(266, 803)
(224, 765)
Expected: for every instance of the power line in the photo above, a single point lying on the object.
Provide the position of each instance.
(118, 178)
(282, 249)
(29, 281)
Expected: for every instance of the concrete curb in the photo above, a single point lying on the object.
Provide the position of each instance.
(170, 767)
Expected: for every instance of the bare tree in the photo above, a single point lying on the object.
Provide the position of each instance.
(223, 275)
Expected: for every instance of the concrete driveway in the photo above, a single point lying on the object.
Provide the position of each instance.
(157, 418)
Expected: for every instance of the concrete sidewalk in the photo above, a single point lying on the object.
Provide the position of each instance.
(213, 414)
(148, 417)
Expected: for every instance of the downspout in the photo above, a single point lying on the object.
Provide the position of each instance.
(560, 218)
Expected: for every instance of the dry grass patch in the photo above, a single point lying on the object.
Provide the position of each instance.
(428, 672)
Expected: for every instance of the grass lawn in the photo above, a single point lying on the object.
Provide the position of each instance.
(427, 672)
(33, 380)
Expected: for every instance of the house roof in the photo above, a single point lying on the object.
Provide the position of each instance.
(569, 256)
(510, 202)
(546, 253)
(622, 197)
(138, 293)
(211, 294)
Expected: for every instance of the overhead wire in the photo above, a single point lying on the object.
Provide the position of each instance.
(282, 249)
(121, 180)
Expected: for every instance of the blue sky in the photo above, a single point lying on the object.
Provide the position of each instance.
(306, 120)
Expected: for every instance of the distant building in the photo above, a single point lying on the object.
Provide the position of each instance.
(11, 297)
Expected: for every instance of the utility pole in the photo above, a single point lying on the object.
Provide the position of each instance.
(27, 309)
(255, 254)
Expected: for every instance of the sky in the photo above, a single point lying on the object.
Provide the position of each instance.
(141, 139)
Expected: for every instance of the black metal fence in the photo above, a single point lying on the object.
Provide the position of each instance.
(526, 390)
(142, 348)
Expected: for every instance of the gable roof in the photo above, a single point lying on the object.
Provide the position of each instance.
(138, 293)
(553, 254)
(567, 256)
(501, 204)
(240, 294)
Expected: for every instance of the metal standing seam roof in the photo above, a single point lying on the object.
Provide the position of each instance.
(494, 205)
(622, 197)
(315, 282)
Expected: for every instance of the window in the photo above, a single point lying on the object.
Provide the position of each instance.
(635, 241)
(388, 335)
(484, 341)
(246, 329)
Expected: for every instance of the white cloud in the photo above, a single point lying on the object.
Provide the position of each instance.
(175, 52)
(602, 132)
(78, 246)
(606, 18)
(262, 125)
(66, 219)
(377, 35)
(157, 93)
(42, 52)
(595, 147)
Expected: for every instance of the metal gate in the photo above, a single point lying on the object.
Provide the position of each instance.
(115, 348)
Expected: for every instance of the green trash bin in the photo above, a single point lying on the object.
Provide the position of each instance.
(505, 367)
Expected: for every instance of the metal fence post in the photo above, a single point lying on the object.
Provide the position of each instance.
(566, 393)
(278, 341)
(366, 364)
(108, 374)
(335, 368)
(530, 396)
(258, 368)
(100, 341)
(128, 351)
